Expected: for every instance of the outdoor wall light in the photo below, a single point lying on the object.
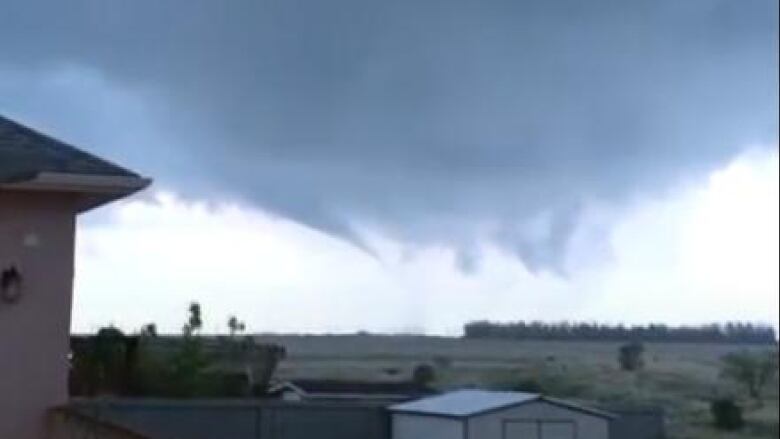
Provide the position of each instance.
(10, 285)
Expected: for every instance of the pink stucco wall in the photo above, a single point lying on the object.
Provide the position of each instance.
(37, 235)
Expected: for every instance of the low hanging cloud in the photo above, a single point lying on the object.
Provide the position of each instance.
(437, 122)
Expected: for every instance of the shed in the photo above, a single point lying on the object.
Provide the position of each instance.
(480, 414)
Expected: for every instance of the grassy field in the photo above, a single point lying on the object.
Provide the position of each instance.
(682, 378)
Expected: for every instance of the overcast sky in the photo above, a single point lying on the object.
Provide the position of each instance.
(409, 166)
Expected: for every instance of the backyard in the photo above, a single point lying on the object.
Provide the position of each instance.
(682, 378)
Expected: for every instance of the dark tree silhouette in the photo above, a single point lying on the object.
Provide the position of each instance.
(423, 374)
(738, 333)
(727, 414)
(630, 356)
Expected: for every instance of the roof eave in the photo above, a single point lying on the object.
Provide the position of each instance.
(93, 190)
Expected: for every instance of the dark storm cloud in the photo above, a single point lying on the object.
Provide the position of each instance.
(437, 121)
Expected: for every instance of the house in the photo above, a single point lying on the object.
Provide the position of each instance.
(336, 390)
(480, 414)
(44, 185)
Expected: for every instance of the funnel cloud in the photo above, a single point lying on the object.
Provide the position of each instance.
(436, 123)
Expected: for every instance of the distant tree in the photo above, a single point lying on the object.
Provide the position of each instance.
(732, 332)
(727, 414)
(194, 322)
(753, 370)
(235, 326)
(423, 374)
(148, 330)
(630, 356)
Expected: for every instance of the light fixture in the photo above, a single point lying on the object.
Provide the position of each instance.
(10, 285)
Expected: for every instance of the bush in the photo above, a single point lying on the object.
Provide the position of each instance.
(727, 414)
(630, 356)
(528, 385)
(392, 371)
(753, 370)
(442, 361)
(423, 374)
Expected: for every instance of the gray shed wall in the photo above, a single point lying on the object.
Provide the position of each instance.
(492, 425)
(407, 426)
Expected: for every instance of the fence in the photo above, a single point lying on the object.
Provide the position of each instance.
(240, 419)
(68, 423)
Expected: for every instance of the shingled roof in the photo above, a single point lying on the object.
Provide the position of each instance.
(32, 161)
(25, 153)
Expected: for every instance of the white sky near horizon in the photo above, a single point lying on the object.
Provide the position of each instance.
(702, 253)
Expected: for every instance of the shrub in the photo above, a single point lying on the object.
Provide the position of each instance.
(442, 361)
(423, 374)
(528, 385)
(727, 414)
(630, 356)
(392, 371)
(753, 370)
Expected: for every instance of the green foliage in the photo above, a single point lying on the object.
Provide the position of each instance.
(186, 369)
(150, 377)
(753, 370)
(148, 365)
(100, 364)
(194, 322)
(529, 385)
(727, 414)
(630, 356)
(185, 372)
(423, 374)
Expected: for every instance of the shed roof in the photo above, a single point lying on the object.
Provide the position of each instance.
(466, 403)
(25, 153)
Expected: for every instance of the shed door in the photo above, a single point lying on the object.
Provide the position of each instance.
(521, 430)
(538, 429)
(557, 430)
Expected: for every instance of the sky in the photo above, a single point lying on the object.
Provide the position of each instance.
(407, 167)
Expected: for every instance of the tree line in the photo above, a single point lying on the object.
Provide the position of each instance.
(731, 332)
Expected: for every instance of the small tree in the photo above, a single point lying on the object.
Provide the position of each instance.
(727, 414)
(235, 326)
(752, 370)
(188, 363)
(423, 374)
(630, 356)
(149, 330)
(194, 322)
